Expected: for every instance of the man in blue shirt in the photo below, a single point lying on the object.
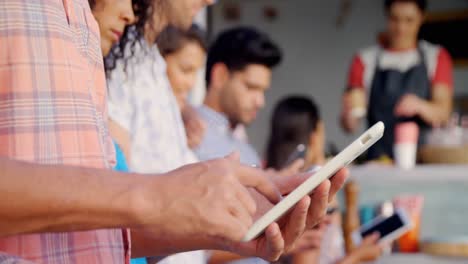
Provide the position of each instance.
(238, 72)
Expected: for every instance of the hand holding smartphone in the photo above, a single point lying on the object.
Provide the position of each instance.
(389, 228)
(298, 153)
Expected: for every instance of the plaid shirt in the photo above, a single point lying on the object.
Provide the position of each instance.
(53, 111)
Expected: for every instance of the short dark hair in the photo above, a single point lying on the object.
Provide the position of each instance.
(421, 4)
(173, 39)
(241, 46)
(294, 119)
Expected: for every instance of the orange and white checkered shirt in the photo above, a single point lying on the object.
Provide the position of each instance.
(53, 111)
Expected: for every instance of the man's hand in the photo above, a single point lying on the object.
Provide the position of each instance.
(195, 127)
(309, 212)
(409, 105)
(207, 199)
(207, 206)
(277, 240)
(320, 197)
(310, 240)
(293, 169)
(436, 111)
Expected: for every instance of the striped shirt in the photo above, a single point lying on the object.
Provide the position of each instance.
(53, 111)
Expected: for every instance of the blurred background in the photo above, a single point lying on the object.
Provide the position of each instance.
(319, 40)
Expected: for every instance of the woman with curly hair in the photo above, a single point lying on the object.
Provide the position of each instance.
(153, 16)
(145, 118)
(135, 65)
(144, 12)
(113, 17)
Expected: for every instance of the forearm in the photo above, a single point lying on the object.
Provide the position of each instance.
(349, 259)
(144, 245)
(349, 122)
(221, 257)
(35, 198)
(307, 257)
(434, 113)
(437, 110)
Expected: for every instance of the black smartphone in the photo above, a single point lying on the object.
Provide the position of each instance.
(298, 153)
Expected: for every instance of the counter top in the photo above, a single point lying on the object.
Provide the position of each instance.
(444, 187)
(419, 259)
(427, 173)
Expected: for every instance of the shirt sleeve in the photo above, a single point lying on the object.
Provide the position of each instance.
(190, 157)
(444, 70)
(119, 102)
(356, 74)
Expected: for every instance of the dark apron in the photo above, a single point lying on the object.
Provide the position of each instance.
(388, 87)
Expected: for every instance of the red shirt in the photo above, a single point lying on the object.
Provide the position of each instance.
(438, 62)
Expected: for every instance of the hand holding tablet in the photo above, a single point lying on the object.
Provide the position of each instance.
(344, 158)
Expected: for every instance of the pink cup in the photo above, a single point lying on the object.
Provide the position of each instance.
(407, 132)
(406, 143)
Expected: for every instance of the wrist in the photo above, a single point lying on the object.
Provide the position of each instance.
(352, 258)
(422, 106)
(139, 202)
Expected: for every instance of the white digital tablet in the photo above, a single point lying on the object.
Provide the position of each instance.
(344, 158)
(389, 228)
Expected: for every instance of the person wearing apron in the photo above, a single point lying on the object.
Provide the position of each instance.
(387, 89)
(401, 80)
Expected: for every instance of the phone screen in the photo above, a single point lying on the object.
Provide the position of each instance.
(385, 227)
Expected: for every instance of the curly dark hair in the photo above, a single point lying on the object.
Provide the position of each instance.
(144, 12)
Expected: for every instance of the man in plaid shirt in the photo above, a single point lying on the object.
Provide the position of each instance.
(52, 111)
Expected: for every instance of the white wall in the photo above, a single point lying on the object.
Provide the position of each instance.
(317, 53)
(198, 92)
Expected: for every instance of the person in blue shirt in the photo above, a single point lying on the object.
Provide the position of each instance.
(122, 166)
